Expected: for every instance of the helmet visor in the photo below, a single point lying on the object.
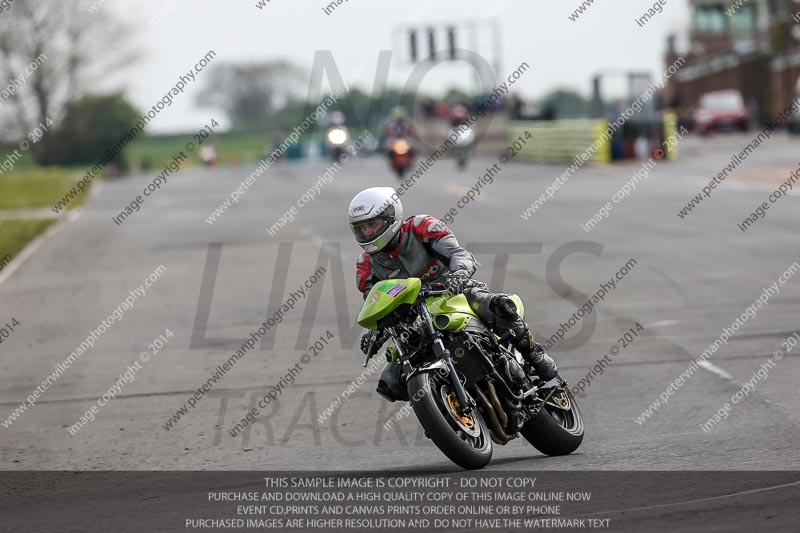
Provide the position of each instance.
(369, 230)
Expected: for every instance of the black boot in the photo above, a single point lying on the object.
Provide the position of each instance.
(533, 353)
(542, 364)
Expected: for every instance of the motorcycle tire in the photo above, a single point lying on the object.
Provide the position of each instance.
(427, 393)
(554, 431)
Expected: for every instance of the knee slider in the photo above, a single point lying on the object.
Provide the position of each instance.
(505, 307)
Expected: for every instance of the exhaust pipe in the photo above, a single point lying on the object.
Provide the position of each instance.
(495, 428)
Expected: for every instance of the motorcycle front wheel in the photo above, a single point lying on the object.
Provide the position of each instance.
(464, 439)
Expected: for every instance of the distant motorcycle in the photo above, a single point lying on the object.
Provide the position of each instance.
(400, 155)
(208, 155)
(336, 140)
(464, 143)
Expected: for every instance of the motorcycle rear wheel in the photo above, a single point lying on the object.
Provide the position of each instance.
(556, 431)
(464, 440)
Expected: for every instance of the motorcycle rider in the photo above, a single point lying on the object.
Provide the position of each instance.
(399, 126)
(423, 247)
(458, 115)
(461, 128)
(337, 120)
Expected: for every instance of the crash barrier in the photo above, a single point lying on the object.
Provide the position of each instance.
(591, 140)
(561, 141)
(670, 129)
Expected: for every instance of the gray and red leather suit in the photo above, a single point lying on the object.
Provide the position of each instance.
(424, 248)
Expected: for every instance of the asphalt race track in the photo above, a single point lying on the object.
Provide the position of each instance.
(691, 278)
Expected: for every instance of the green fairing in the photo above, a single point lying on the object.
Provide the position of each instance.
(443, 305)
(385, 297)
(388, 295)
(455, 308)
(458, 311)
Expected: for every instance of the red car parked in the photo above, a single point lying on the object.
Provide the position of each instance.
(721, 110)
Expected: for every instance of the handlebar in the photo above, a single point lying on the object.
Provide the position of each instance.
(425, 293)
(434, 289)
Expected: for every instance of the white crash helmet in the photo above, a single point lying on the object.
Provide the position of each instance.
(376, 204)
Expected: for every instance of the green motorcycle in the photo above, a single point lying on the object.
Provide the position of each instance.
(467, 386)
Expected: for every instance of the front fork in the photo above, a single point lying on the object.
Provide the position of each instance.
(466, 403)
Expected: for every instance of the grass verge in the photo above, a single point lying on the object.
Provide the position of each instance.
(40, 187)
(232, 148)
(16, 233)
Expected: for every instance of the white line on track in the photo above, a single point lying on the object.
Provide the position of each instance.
(662, 323)
(715, 369)
(701, 500)
(725, 375)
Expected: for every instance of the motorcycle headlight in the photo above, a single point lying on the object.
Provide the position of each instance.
(337, 136)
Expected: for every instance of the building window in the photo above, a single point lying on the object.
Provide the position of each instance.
(710, 18)
(744, 20)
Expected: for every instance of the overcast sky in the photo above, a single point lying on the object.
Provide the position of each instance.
(561, 53)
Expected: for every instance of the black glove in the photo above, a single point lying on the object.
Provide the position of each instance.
(454, 281)
(367, 339)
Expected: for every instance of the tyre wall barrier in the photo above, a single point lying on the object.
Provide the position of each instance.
(561, 141)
